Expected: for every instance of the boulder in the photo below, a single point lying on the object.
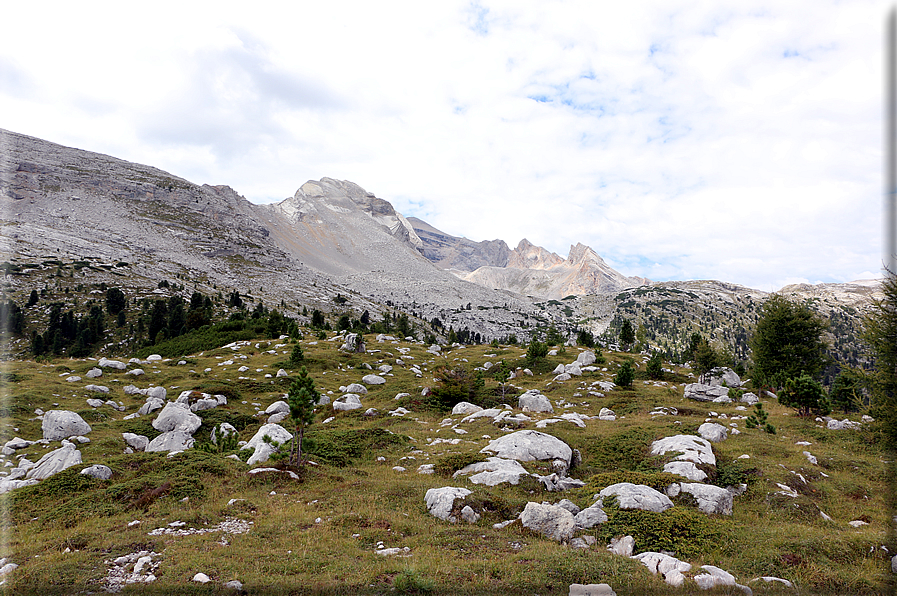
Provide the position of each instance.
(350, 401)
(573, 369)
(589, 517)
(73, 379)
(136, 372)
(116, 364)
(563, 377)
(607, 414)
(549, 520)
(713, 432)
(154, 358)
(353, 343)
(529, 445)
(694, 449)
(441, 500)
(586, 358)
(96, 388)
(569, 506)
(94, 373)
(559, 369)
(278, 407)
(222, 430)
(534, 401)
(637, 496)
(373, 380)
(715, 576)
(557, 482)
(137, 442)
(55, 462)
(685, 469)
(173, 440)
(701, 392)
(749, 399)
(356, 388)
(263, 449)
(711, 499)
(493, 471)
(281, 373)
(463, 408)
(469, 515)
(98, 471)
(591, 590)
(622, 545)
(152, 404)
(669, 567)
(724, 376)
(206, 403)
(95, 403)
(61, 424)
(177, 416)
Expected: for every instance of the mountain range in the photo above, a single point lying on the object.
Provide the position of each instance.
(332, 237)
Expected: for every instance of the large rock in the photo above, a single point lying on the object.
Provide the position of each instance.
(441, 500)
(55, 462)
(463, 408)
(173, 440)
(152, 404)
(586, 358)
(711, 499)
(669, 567)
(686, 469)
(713, 432)
(749, 399)
(62, 424)
(98, 471)
(177, 416)
(263, 449)
(533, 401)
(551, 521)
(353, 343)
(637, 496)
(350, 401)
(493, 471)
(529, 445)
(116, 364)
(135, 441)
(591, 590)
(356, 388)
(724, 376)
(278, 407)
(589, 517)
(702, 392)
(373, 380)
(690, 448)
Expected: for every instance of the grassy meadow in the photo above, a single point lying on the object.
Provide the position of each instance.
(319, 533)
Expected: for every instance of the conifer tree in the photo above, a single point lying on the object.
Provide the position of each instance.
(302, 400)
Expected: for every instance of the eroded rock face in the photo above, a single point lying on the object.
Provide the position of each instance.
(529, 445)
(637, 496)
(551, 521)
(62, 424)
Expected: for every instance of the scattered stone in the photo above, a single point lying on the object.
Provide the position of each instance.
(607, 414)
(749, 399)
(201, 578)
(669, 567)
(713, 432)
(530, 445)
(691, 448)
(711, 499)
(350, 401)
(94, 373)
(55, 462)
(469, 515)
(177, 416)
(138, 442)
(591, 590)
(622, 545)
(373, 380)
(533, 401)
(494, 471)
(116, 364)
(701, 392)
(96, 388)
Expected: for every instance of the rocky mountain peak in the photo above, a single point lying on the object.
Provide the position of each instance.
(529, 256)
(580, 253)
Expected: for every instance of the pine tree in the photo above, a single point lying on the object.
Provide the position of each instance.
(627, 335)
(787, 342)
(302, 400)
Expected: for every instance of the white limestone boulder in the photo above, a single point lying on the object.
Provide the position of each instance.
(373, 380)
(637, 496)
(55, 462)
(702, 392)
(586, 358)
(98, 471)
(686, 469)
(551, 521)
(152, 404)
(534, 401)
(263, 449)
(463, 408)
(713, 432)
(529, 445)
(356, 388)
(691, 448)
(441, 500)
(671, 568)
(711, 499)
(62, 424)
(350, 401)
(589, 517)
(173, 440)
(177, 416)
(278, 407)
(116, 364)
(135, 441)
(494, 471)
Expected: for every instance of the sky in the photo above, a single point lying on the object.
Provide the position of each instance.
(737, 141)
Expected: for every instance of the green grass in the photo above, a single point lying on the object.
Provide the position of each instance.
(319, 533)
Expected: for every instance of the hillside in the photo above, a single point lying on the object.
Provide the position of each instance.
(356, 519)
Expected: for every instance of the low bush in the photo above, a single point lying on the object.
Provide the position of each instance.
(685, 532)
(341, 447)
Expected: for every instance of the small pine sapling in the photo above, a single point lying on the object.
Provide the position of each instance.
(296, 356)
(302, 400)
(655, 366)
(625, 375)
(502, 375)
(759, 419)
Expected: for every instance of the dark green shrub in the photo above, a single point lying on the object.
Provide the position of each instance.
(686, 532)
(625, 375)
(341, 447)
(804, 395)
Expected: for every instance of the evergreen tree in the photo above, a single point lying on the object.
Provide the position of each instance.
(296, 356)
(880, 335)
(655, 366)
(302, 400)
(805, 395)
(32, 299)
(115, 301)
(787, 342)
(627, 335)
(705, 359)
(625, 375)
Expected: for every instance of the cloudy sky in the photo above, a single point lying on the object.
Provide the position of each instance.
(739, 141)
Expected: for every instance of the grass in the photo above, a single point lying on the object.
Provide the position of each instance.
(319, 534)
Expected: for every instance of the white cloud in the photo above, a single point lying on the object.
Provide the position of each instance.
(680, 140)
